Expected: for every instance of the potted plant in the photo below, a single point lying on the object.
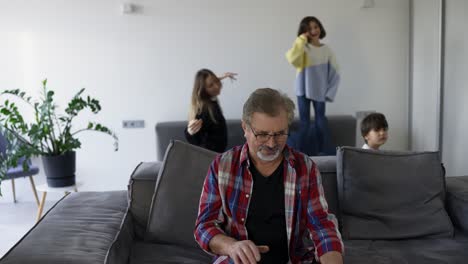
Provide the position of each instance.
(49, 135)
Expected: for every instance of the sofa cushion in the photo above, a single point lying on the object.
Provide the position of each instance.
(408, 251)
(151, 253)
(177, 194)
(457, 201)
(391, 195)
(82, 228)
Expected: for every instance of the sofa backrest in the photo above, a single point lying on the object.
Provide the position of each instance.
(174, 130)
(327, 168)
(176, 197)
(143, 180)
(342, 129)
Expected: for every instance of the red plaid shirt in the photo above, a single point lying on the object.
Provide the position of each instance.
(225, 201)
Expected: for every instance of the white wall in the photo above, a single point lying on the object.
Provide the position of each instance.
(455, 115)
(425, 98)
(428, 97)
(141, 66)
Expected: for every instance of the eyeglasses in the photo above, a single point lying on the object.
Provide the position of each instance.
(264, 137)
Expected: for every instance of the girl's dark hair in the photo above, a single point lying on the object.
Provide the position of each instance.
(201, 100)
(374, 121)
(304, 26)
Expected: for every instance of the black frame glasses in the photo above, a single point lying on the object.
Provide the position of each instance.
(265, 137)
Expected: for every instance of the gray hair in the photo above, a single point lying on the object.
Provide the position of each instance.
(268, 101)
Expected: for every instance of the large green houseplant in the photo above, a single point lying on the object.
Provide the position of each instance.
(48, 134)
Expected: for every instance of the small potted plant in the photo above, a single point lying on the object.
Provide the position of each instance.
(49, 135)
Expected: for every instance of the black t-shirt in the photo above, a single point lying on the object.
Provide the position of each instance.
(212, 135)
(266, 223)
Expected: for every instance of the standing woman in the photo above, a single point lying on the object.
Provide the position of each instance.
(207, 127)
(316, 82)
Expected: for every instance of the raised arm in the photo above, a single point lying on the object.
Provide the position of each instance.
(296, 55)
(229, 75)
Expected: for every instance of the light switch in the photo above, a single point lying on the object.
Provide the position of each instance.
(133, 123)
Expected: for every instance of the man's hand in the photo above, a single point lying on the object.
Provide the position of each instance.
(194, 126)
(246, 252)
(242, 252)
(332, 257)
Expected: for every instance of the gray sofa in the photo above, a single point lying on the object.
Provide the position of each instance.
(114, 227)
(342, 129)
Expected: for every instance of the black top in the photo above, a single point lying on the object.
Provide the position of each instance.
(212, 135)
(266, 223)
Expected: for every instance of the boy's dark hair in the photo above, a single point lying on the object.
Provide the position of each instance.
(374, 121)
(304, 26)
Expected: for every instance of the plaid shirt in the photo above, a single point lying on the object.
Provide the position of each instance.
(225, 201)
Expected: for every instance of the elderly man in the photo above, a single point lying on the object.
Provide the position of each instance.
(263, 202)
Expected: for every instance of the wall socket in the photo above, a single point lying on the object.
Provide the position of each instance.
(133, 123)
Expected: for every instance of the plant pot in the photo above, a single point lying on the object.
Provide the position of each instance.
(60, 170)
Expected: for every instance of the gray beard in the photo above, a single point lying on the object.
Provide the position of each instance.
(268, 157)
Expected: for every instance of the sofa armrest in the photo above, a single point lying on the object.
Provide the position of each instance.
(84, 227)
(140, 194)
(457, 201)
(119, 252)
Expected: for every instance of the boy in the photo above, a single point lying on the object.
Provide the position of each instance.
(374, 130)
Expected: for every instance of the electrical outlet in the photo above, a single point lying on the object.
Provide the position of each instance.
(133, 123)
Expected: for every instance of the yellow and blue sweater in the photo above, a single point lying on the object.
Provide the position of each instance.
(317, 70)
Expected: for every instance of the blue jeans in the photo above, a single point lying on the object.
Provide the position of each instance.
(312, 139)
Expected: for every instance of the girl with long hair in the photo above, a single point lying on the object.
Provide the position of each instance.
(207, 126)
